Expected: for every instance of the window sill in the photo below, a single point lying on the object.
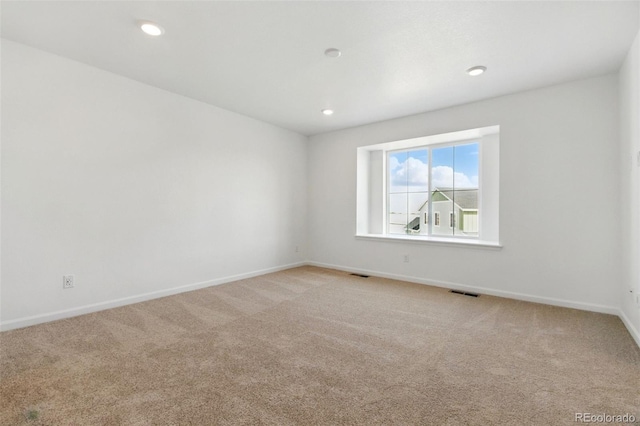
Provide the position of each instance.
(457, 242)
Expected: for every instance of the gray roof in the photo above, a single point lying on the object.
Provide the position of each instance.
(467, 199)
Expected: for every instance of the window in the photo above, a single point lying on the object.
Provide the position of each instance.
(406, 188)
(442, 179)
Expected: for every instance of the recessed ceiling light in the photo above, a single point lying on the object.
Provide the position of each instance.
(474, 71)
(151, 28)
(327, 111)
(332, 52)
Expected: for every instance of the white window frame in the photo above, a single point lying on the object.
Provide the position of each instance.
(430, 189)
(371, 191)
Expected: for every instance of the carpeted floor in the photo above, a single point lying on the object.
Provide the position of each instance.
(311, 346)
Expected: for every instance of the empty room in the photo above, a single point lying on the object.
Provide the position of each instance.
(319, 212)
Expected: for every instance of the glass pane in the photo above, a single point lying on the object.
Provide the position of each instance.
(417, 166)
(397, 213)
(418, 213)
(442, 186)
(397, 166)
(465, 195)
(442, 168)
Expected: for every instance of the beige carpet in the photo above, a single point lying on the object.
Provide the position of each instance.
(311, 346)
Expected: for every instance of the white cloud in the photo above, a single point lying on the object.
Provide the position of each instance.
(444, 177)
(415, 173)
(393, 163)
(412, 172)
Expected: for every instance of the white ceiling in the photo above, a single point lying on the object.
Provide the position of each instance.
(265, 59)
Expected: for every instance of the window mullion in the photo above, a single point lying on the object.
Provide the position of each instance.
(406, 193)
(429, 194)
(453, 191)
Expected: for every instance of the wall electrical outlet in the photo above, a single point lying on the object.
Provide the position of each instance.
(68, 281)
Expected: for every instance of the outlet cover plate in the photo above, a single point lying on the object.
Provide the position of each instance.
(68, 281)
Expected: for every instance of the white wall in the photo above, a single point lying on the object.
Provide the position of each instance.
(138, 191)
(134, 190)
(558, 199)
(630, 186)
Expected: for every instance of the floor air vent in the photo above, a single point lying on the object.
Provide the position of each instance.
(464, 293)
(360, 275)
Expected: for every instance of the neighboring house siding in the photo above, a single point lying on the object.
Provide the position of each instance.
(469, 221)
(466, 219)
(444, 208)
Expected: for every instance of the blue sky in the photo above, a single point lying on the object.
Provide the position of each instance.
(465, 156)
(411, 168)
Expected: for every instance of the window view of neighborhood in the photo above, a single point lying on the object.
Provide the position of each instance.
(437, 197)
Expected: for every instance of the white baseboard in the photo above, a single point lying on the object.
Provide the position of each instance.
(68, 313)
(632, 330)
(481, 290)
(635, 334)
(87, 309)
